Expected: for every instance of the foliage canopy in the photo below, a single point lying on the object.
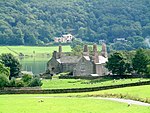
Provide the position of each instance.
(35, 22)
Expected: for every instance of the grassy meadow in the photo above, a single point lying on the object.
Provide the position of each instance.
(81, 83)
(32, 50)
(31, 104)
(137, 91)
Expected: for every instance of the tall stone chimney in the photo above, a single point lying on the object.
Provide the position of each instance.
(60, 51)
(104, 50)
(55, 54)
(94, 48)
(85, 50)
(95, 54)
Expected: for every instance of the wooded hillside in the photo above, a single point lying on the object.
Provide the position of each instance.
(33, 22)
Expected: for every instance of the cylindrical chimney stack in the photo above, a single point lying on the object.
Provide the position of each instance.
(55, 54)
(104, 50)
(60, 51)
(94, 48)
(85, 50)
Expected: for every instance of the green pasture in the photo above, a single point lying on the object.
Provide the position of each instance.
(137, 91)
(31, 104)
(81, 83)
(32, 50)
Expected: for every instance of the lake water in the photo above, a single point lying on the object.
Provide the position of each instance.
(36, 65)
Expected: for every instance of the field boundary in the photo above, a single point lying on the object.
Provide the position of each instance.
(71, 90)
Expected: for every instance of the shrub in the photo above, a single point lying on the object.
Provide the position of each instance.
(26, 78)
(4, 81)
(35, 82)
(12, 82)
(19, 83)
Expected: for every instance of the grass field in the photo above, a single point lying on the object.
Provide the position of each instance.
(137, 91)
(29, 50)
(30, 104)
(80, 83)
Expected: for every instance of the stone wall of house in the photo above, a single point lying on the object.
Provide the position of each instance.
(83, 68)
(67, 67)
(53, 66)
(101, 69)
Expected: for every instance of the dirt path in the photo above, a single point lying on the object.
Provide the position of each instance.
(129, 102)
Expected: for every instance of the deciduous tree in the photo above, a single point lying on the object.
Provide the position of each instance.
(116, 63)
(140, 61)
(10, 61)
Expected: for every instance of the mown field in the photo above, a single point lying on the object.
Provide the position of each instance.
(35, 50)
(31, 50)
(31, 104)
(74, 102)
(137, 91)
(81, 83)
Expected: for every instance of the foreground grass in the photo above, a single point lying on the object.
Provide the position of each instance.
(80, 83)
(32, 50)
(30, 104)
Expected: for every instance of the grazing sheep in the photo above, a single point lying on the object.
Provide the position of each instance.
(41, 100)
(129, 104)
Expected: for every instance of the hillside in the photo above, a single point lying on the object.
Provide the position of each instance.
(34, 22)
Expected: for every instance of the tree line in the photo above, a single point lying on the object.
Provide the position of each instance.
(36, 22)
(125, 63)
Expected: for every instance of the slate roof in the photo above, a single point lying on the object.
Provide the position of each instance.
(87, 58)
(102, 60)
(69, 59)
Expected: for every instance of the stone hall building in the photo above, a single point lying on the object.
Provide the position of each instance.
(85, 65)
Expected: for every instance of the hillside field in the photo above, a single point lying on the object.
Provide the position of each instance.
(30, 50)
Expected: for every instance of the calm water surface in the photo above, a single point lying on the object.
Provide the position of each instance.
(36, 65)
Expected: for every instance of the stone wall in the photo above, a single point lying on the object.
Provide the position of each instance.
(101, 69)
(83, 68)
(53, 66)
(71, 90)
(67, 67)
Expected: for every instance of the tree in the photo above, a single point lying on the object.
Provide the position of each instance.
(76, 42)
(4, 75)
(4, 70)
(4, 81)
(77, 50)
(140, 61)
(116, 63)
(10, 61)
(148, 69)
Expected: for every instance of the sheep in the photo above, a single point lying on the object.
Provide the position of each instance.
(129, 104)
(40, 100)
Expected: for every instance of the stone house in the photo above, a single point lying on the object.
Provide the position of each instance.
(84, 65)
